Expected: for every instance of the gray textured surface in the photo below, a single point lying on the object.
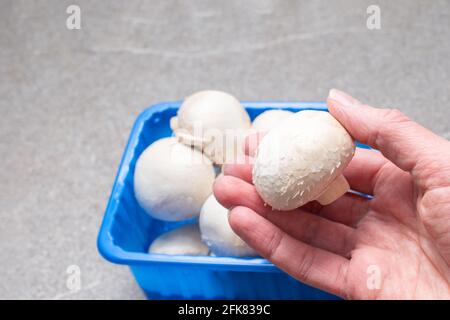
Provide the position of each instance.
(69, 98)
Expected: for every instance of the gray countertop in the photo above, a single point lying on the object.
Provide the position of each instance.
(69, 99)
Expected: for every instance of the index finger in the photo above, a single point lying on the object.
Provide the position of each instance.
(309, 264)
(407, 144)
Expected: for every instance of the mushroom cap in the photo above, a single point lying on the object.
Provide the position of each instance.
(217, 233)
(213, 121)
(185, 240)
(172, 181)
(296, 161)
(214, 110)
(270, 119)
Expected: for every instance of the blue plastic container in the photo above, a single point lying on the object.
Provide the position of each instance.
(127, 232)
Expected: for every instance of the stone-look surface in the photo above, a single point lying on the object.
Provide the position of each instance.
(69, 99)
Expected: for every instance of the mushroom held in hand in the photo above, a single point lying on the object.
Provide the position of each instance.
(302, 160)
(270, 119)
(217, 233)
(185, 240)
(207, 118)
(171, 180)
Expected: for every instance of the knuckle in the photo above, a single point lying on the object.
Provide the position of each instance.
(434, 199)
(433, 211)
(311, 226)
(273, 244)
(341, 282)
(306, 262)
(435, 172)
(389, 120)
(394, 115)
(347, 244)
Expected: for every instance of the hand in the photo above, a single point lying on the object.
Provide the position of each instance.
(395, 246)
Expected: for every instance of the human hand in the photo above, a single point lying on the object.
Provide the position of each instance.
(394, 246)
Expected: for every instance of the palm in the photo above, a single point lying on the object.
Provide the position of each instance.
(391, 235)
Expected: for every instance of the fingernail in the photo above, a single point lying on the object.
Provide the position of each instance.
(343, 98)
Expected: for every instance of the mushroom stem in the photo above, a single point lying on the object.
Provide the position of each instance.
(188, 139)
(174, 123)
(334, 191)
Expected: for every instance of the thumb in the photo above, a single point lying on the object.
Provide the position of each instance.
(403, 141)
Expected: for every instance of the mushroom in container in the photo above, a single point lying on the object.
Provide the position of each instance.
(214, 122)
(172, 180)
(302, 160)
(185, 240)
(269, 119)
(217, 233)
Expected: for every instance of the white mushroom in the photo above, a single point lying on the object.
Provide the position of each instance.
(302, 160)
(214, 122)
(185, 240)
(217, 233)
(172, 181)
(269, 119)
